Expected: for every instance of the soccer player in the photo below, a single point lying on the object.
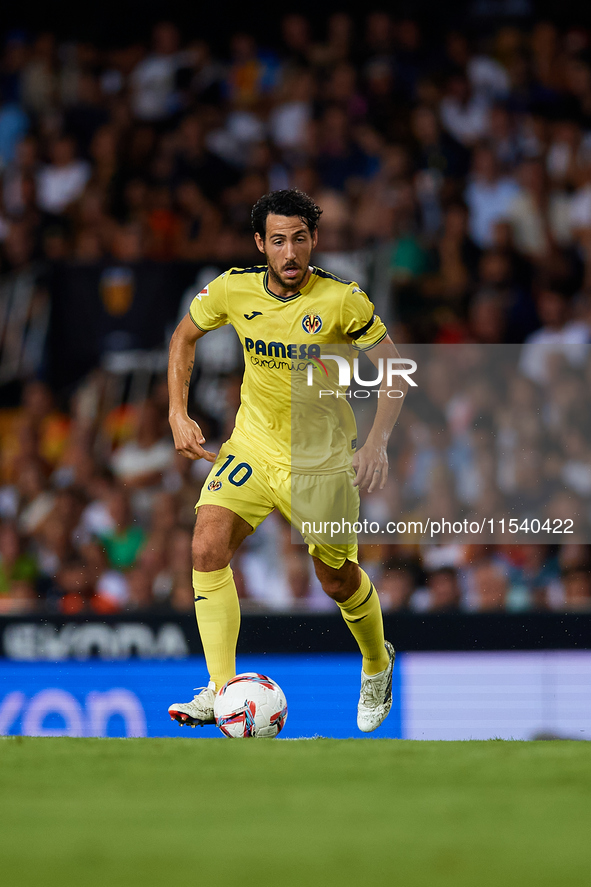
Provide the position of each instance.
(280, 310)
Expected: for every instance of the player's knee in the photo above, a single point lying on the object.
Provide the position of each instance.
(338, 584)
(336, 588)
(334, 584)
(209, 555)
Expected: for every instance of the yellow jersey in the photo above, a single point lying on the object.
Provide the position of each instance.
(281, 338)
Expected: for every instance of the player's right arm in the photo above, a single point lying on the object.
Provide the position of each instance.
(188, 437)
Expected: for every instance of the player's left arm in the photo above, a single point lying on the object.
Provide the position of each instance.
(371, 460)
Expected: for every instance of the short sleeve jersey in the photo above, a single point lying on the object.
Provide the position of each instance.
(283, 336)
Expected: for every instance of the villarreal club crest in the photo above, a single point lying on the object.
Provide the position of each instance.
(312, 323)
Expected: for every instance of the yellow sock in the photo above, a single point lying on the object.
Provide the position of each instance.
(218, 617)
(363, 615)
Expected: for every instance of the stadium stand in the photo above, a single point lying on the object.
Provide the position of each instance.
(455, 181)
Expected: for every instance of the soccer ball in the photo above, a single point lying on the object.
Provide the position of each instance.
(250, 704)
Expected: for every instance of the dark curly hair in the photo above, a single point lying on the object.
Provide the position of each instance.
(285, 203)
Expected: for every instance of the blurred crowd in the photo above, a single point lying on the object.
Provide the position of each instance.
(97, 510)
(454, 175)
(461, 164)
(496, 438)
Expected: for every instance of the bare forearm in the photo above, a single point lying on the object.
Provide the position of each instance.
(388, 409)
(371, 461)
(390, 395)
(188, 437)
(181, 359)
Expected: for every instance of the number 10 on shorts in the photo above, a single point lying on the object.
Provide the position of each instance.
(239, 474)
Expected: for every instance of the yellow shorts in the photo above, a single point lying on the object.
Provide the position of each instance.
(252, 488)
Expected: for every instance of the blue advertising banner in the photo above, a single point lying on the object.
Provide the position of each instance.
(131, 698)
(453, 695)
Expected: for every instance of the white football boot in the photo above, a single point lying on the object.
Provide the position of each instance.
(197, 712)
(375, 700)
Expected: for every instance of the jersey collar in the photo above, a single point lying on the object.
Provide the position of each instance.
(303, 290)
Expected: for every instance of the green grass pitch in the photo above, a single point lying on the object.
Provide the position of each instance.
(148, 812)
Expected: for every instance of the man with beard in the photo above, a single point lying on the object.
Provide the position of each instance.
(283, 312)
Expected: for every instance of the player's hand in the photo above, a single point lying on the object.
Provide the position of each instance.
(371, 467)
(188, 439)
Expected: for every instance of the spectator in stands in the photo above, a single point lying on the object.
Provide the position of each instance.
(54, 547)
(35, 498)
(22, 599)
(444, 590)
(152, 81)
(397, 585)
(487, 317)
(195, 161)
(291, 117)
(139, 590)
(22, 169)
(63, 180)
(437, 151)
(123, 543)
(182, 596)
(464, 115)
(557, 335)
(17, 250)
(577, 589)
(40, 77)
(539, 214)
(72, 589)
(96, 518)
(142, 461)
(87, 114)
(175, 566)
(533, 577)
(576, 449)
(16, 565)
(14, 124)
(502, 136)
(488, 195)
(456, 260)
(34, 430)
(199, 224)
(490, 587)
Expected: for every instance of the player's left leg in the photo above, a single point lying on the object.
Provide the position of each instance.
(351, 588)
(312, 501)
(318, 505)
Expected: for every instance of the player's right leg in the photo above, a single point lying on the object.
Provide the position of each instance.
(235, 499)
(218, 534)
